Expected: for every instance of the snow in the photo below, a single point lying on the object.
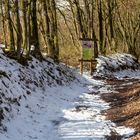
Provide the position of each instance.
(54, 115)
(118, 65)
(2, 46)
(52, 103)
(128, 73)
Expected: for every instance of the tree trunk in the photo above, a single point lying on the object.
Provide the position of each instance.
(101, 28)
(18, 33)
(49, 7)
(24, 6)
(3, 23)
(10, 27)
(54, 31)
(34, 27)
(93, 33)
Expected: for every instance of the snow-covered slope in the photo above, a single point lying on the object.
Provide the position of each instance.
(122, 65)
(18, 81)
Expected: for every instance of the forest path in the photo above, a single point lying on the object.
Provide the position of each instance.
(84, 120)
(71, 112)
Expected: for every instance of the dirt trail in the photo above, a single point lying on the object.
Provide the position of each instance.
(84, 119)
(125, 105)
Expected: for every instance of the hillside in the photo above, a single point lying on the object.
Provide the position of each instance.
(18, 82)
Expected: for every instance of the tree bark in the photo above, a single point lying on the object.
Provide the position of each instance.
(10, 27)
(34, 28)
(18, 33)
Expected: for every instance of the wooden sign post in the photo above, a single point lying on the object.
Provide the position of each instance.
(87, 54)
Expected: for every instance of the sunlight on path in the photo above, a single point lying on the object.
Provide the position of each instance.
(84, 122)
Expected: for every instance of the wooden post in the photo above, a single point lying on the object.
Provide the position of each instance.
(81, 67)
(91, 67)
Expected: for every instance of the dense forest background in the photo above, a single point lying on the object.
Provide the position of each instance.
(54, 27)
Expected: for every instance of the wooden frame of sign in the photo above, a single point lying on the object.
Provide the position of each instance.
(92, 65)
(86, 39)
(91, 61)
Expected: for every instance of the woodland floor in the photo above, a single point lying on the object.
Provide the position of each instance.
(125, 105)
